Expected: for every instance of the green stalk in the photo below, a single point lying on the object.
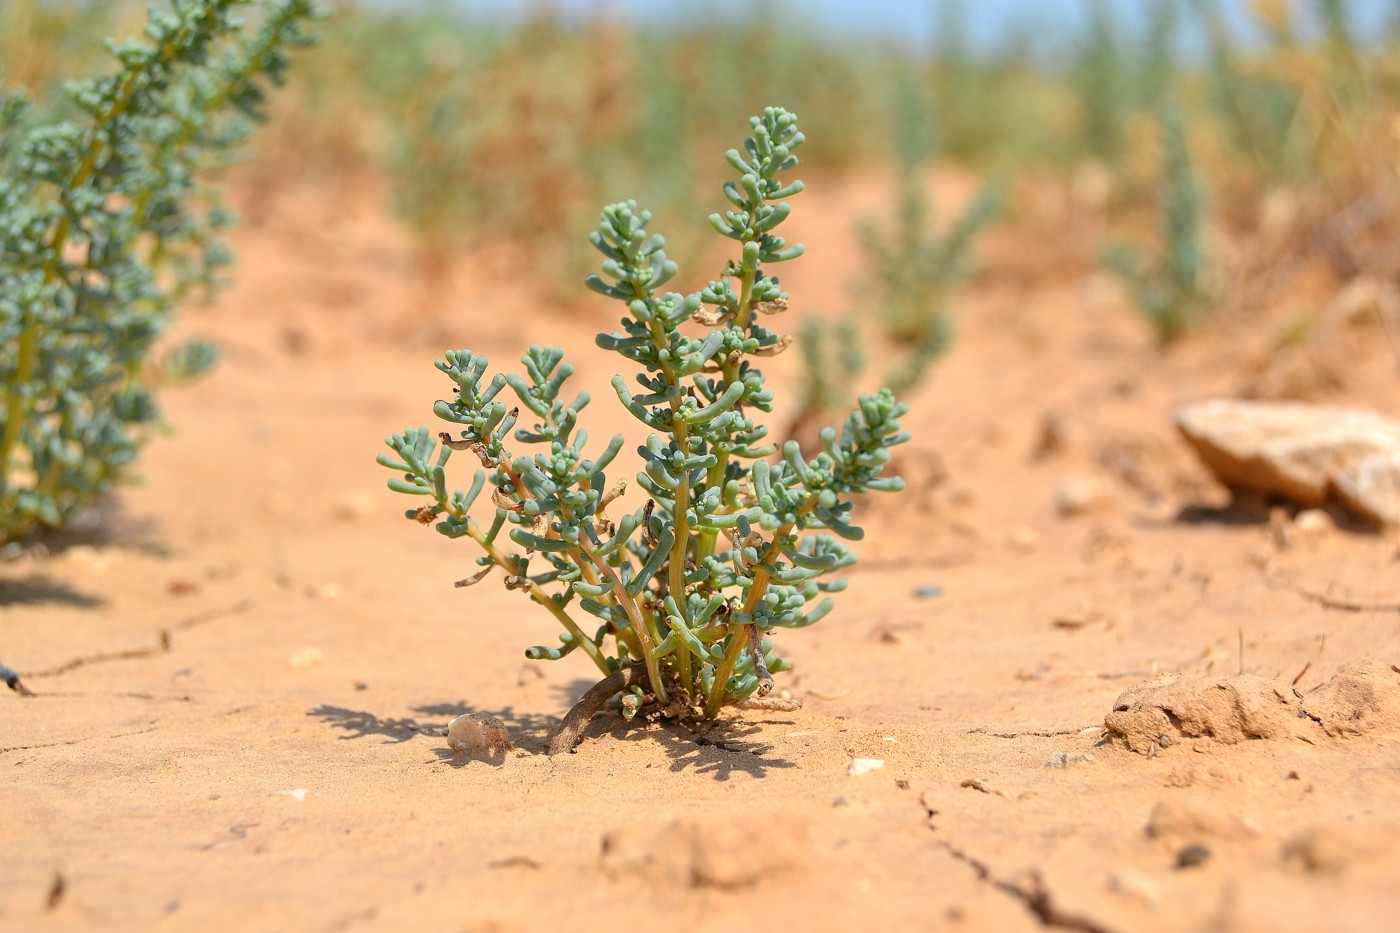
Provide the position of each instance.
(639, 625)
(714, 478)
(508, 563)
(738, 638)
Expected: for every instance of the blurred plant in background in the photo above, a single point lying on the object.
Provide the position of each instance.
(1172, 291)
(105, 226)
(908, 275)
(500, 133)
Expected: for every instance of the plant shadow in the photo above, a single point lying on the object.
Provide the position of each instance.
(40, 589)
(529, 731)
(717, 748)
(108, 523)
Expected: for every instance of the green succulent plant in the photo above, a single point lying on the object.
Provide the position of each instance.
(737, 539)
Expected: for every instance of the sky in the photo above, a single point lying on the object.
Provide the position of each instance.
(914, 21)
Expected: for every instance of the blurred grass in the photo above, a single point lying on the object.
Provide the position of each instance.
(515, 132)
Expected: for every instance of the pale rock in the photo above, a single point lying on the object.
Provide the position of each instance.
(307, 657)
(861, 766)
(1370, 488)
(1312, 522)
(1306, 454)
(1022, 538)
(478, 733)
(1080, 495)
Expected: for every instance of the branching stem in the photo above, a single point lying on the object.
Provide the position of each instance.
(568, 732)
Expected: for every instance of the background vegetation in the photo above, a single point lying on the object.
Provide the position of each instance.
(1204, 155)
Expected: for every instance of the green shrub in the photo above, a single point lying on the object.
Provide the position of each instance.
(736, 538)
(104, 227)
(1171, 292)
(909, 274)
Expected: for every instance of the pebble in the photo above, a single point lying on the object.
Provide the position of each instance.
(1022, 538)
(1080, 495)
(1312, 521)
(475, 733)
(307, 657)
(1192, 856)
(861, 766)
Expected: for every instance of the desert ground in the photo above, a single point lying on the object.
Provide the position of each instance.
(244, 671)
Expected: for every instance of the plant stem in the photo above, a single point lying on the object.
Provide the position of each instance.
(537, 593)
(737, 640)
(577, 718)
(714, 479)
(634, 615)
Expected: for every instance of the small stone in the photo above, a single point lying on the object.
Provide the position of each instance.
(928, 592)
(861, 766)
(1312, 522)
(87, 557)
(307, 657)
(1191, 856)
(1081, 495)
(1022, 538)
(296, 793)
(1065, 760)
(476, 733)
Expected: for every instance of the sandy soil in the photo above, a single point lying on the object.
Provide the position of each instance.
(244, 676)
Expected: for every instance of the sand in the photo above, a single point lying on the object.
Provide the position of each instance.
(244, 675)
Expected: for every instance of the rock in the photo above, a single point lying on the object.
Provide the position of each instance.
(726, 854)
(861, 766)
(307, 657)
(478, 733)
(1022, 538)
(1370, 488)
(1306, 454)
(1080, 495)
(1191, 820)
(1358, 699)
(1191, 856)
(1311, 522)
(1160, 712)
